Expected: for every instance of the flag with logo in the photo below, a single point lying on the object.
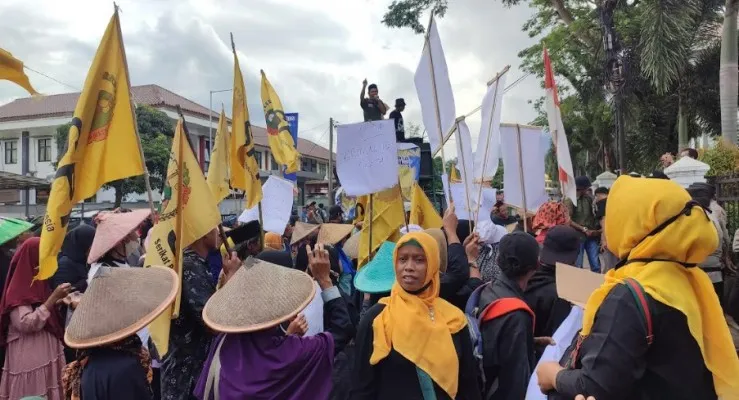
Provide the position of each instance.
(388, 216)
(281, 142)
(11, 69)
(557, 129)
(423, 212)
(244, 167)
(218, 168)
(190, 214)
(101, 136)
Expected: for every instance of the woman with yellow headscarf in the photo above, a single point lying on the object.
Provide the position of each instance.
(666, 336)
(413, 344)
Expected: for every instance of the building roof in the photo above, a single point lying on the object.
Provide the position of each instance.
(305, 147)
(63, 105)
(9, 180)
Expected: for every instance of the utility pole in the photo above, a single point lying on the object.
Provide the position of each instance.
(330, 172)
(615, 76)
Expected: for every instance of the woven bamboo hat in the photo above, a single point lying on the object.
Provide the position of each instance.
(334, 233)
(118, 303)
(260, 295)
(351, 246)
(112, 227)
(301, 231)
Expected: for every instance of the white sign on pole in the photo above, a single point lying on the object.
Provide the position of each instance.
(426, 79)
(488, 143)
(460, 200)
(528, 164)
(278, 204)
(367, 157)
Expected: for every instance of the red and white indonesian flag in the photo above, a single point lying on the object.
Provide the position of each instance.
(557, 129)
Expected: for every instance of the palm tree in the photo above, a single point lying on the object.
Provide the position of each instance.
(729, 73)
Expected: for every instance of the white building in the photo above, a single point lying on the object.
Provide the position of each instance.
(28, 146)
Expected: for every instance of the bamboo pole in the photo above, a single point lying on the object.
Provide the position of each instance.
(521, 178)
(464, 172)
(149, 192)
(427, 43)
(372, 217)
(496, 81)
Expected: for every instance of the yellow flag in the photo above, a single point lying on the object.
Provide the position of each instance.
(218, 169)
(11, 69)
(454, 175)
(102, 144)
(423, 212)
(189, 215)
(388, 216)
(244, 167)
(280, 141)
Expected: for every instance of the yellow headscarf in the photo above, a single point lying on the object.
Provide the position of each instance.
(636, 206)
(405, 323)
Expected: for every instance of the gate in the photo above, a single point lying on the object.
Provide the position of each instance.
(727, 195)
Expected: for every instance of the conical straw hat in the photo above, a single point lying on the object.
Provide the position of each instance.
(118, 303)
(334, 233)
(112, 228)
(260, 295)
(351, 246)
(301, 231)
(378, 275)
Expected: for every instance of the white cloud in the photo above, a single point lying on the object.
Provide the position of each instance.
(315, 53)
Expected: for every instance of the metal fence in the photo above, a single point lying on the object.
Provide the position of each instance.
(727, 195)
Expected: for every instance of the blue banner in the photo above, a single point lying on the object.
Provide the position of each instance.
(292, 122)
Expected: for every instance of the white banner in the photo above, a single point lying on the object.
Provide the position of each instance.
(531, 158)
(367, 157)
(277, 205)
(432, 50)
(486, 163)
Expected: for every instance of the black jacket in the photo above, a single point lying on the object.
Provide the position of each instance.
(72, 260)
(395, 377)
(541, 296)
(508, 345)
(616, 363)
(114, 375)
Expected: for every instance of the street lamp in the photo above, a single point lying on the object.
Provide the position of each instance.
(210, 116)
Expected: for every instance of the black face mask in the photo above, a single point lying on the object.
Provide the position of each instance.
(687, 210)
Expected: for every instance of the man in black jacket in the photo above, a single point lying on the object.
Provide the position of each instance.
(507, 325)
(561, 245)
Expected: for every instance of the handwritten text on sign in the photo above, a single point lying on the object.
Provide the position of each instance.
(367, 157)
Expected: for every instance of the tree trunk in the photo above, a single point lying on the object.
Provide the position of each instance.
(729, 73)
(682, 128)
(118, 195)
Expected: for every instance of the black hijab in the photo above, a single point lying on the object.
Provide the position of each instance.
(77, 243)
(278, 257)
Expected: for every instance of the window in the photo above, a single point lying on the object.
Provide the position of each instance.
(44, 150)
(207, 150)
(322, 169)
(313, 166)
(258, 157)
(275, 167)
(11, 152)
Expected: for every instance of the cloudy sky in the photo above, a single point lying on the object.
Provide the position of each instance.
(316, 53)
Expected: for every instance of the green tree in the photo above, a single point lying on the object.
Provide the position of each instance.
(669, 48)
(156, 130)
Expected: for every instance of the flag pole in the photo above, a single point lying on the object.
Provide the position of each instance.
(149, 192)
(520, 177)
(464, 169)
(405, 214)
(372, 217)
(436, 99)
(496, 81)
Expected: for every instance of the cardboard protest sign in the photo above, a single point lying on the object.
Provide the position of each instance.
(576, 284)
(367, 157)
(278, 193)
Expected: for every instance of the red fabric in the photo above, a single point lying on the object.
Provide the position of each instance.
(501, 307)
(21, 290)
(550, 214)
